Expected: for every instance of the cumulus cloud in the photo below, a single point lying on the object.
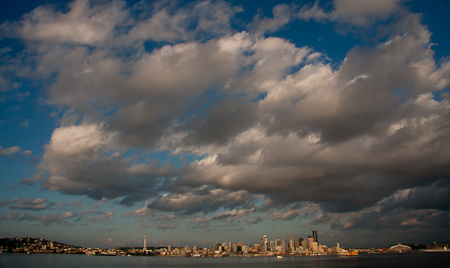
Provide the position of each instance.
(28, 204)
(13, 150)
(81, 159)
(315, 115)
(230, 217)
(407, 215)
(322, 132)
(10, 150)
(166, 23)
(32, 204)
(75, 203)
(303, 210)
(9, 202)
(363, 12)
(46, 219)
(356, 12)
(150, 218)
(83, 23)
(204, 199)
(103, 200)
(17, 216)
(50, 218)
(281, 16)
(250, 119)
(103, 215)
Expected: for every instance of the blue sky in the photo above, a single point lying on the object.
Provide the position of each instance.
(197, 122)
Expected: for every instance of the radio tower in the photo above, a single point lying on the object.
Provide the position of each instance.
(4, 234)
(26, 232)
(42, 238)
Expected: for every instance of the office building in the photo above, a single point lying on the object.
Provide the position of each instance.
(266, 243)
(310, 243)
(304, 244)
(314, 233)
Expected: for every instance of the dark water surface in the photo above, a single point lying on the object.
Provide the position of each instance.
(16, 260)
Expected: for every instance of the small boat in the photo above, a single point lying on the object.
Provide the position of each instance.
(280, 257)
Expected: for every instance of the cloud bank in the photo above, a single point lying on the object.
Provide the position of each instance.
(257, 125)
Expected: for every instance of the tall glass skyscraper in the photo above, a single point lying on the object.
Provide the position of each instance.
(315, 236)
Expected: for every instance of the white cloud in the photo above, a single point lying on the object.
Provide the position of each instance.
(265, 119)
(211, 18)
(10, 150)
(362, 12)
(83, 23)
(78, 141)
(13, 150)
(32, 204)
(281, 16)
(357, 12)
(47, 219)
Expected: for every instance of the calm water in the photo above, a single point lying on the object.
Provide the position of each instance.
(77, 261)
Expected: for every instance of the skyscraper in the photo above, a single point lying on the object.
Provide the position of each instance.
(304, 244)
(315, 247)
(145, 243)
(314, 233)
(266, 243)
(310, 243)
(291, 242)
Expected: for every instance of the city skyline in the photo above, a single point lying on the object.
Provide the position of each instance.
(288, 246)
(197, 121)
(301, 247)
